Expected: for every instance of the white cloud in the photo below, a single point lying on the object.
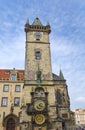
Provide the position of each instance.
(80, 99)
(63, 47)
(13, 55)
(67, 38)
(68, 57)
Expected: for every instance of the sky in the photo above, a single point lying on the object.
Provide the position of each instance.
(67, 38)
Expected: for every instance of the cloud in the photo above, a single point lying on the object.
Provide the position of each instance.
(13, 55)
(69, 57)
(80, 99)
(67, 38)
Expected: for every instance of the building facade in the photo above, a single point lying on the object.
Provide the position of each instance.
(80, 117)
(35, 98)
(11, 89)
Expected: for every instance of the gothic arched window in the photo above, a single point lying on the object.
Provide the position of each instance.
(58, 97)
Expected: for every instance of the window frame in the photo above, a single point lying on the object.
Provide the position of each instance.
(13, 77)
(37, 55)
(19, 88)
(6, 101)
(58, 97)
(6, 89)
(65, 115)
(15, 104)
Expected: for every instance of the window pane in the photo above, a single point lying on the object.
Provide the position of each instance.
(13, 77)
(6, 88)
(17, 88)
(16, 101)
(65, 115)
(58, 98)
(37, 55)
(4, 101)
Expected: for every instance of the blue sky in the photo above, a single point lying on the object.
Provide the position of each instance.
(67, 20)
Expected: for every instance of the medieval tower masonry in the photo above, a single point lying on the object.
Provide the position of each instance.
(46, 104)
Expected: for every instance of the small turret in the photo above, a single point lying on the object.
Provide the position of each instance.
(61, 75)
(27, 22)
(48, 24)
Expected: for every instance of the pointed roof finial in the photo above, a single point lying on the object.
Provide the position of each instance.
(61, 75)
(48, 23)
(27, 22)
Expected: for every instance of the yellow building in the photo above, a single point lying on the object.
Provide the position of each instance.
(11, 87)
(80, 117)
(35, 98)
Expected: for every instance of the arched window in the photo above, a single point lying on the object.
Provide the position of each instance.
(58, 97)
(10, 124)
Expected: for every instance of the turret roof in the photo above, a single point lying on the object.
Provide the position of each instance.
(37, 22)
(61, 75)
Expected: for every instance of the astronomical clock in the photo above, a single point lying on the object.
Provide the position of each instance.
(38, 107)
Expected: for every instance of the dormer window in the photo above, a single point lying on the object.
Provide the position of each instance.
(13, 77)
(37, 55)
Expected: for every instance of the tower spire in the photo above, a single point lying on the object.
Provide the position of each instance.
(27, 22)
(48, 23)
(61, 75)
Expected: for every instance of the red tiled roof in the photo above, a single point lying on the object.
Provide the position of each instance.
(5, 73)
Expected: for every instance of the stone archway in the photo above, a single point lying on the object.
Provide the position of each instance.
(11, 122)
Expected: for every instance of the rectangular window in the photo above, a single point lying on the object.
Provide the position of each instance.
(13, 77)
(17, 88)
(6, 88)
(4, 101)
(37, 55)
(16, 101)
(65, 115)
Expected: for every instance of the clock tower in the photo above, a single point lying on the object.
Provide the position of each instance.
(45, 99)
(37, 50)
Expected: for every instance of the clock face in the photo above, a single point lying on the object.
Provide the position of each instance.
(37, 35)
(40, 119)
(39, 105)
